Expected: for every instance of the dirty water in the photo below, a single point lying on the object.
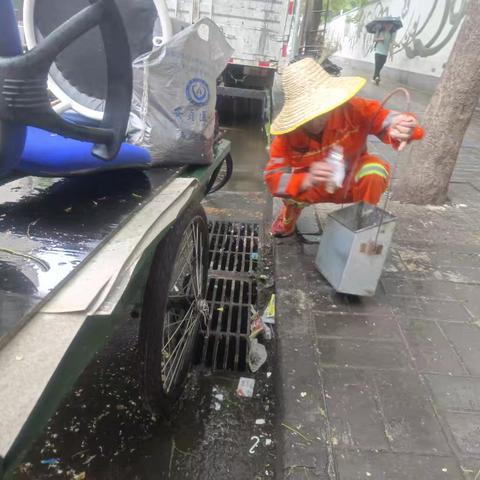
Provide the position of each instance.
(249, 153)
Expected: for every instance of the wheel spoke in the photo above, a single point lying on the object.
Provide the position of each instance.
(185, 305)
(172, 361)
(179, 302)
(176, 365)
(185, 265)
(198, 252)
(180, 255)
(178, 328)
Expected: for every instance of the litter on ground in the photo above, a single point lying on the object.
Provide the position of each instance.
(245, 387)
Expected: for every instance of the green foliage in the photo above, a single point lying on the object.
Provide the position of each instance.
(336, 6)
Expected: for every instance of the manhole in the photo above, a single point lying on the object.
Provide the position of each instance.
(223, 340)
(233, 246)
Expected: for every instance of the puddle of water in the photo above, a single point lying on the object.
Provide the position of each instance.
(249, 153)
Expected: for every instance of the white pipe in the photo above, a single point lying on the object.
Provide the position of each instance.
(66, 101)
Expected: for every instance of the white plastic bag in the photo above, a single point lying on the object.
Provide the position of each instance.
(174, 95)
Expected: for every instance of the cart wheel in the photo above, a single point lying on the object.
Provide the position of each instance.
(174, 305)
(221, 175)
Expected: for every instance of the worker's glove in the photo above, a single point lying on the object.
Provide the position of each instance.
(401, 128)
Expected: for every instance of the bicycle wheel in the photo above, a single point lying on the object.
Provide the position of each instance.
(174, 305)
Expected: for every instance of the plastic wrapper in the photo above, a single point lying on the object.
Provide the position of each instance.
(175, 95)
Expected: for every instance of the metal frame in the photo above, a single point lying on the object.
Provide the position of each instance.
(62, 339)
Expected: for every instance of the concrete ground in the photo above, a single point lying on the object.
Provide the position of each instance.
(387, 387)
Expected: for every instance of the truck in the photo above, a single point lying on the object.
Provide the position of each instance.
(258, 31)
(265, 36)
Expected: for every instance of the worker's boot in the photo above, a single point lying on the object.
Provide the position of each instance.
(284, 225)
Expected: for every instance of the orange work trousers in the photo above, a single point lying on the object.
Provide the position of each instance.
(367, 182)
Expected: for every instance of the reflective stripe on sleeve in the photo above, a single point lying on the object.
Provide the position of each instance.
(273, 171)
(283, 184)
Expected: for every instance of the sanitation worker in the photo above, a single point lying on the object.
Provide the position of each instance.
(322, 118)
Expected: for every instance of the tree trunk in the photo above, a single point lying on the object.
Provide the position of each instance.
(431, 163)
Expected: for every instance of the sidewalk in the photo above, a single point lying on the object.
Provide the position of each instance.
(388, 388)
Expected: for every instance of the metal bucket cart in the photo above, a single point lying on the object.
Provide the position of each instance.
(355, 245)
(357, 239)
(354, 248)
(79, 253)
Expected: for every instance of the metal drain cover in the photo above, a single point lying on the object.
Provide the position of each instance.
(234, 255)
(233, 246)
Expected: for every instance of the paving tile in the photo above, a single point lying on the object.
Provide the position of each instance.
(430, 309)
(470, 296)
(465, 428)
(455, 393)
(411, 422)
(415, 260)
(394, 262)
(466, 339)
(439, 255)
(302, 472)
(329, 301)
(341, 303)
(362, 354)
(456, 255)
(462, 275)
(390, 466)
(430, 262)
(397, 285)
(353, 411)
(310, 250)
(376, 305)
(430, 349)
(470, 468)
(356, 326)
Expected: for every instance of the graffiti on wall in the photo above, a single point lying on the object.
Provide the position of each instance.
(421, 36)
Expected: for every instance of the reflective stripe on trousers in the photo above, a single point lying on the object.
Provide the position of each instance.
(372, 169)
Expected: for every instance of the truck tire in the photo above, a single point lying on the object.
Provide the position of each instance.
(173, 307)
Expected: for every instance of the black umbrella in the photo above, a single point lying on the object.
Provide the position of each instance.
(377, 24)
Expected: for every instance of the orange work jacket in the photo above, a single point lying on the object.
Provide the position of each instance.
(348, 126)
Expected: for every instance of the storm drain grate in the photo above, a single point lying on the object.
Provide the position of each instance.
(223, 341)
(233, 246)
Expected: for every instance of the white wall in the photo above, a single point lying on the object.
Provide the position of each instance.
(429, 32)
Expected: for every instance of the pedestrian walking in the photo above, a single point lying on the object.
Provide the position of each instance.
(384, 30)
(384, 43)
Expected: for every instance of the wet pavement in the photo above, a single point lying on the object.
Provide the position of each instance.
(391, 382)
(101, 431)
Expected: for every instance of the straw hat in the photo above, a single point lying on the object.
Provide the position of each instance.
(310, 92)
